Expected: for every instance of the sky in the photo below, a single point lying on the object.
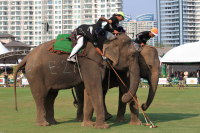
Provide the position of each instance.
(139, 7)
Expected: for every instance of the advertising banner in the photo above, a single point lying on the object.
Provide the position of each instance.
(191, 81)
(25, 82)
(2, 81)
(162, 81)
(144, 80)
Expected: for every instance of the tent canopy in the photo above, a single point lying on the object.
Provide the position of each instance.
(3, 50)
(184, 54)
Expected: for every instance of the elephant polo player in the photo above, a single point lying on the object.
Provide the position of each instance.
(91, 32)
(143, 37)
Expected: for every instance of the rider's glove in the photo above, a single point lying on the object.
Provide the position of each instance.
(104, 57)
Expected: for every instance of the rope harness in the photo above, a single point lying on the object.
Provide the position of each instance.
(101, 65)
(135, 100)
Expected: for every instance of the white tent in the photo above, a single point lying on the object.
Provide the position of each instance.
(187, 53)
(3, 50)
(159, 58)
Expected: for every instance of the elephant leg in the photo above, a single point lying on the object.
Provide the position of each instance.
(107, 115)
(49, 106)
(121, 108)
(80, 98)
(39, 93)
(134, 113)
(88, 111)
(95, 92)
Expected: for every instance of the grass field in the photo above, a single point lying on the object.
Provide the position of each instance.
(173, 111)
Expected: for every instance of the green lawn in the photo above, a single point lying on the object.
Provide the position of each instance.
(173, 111)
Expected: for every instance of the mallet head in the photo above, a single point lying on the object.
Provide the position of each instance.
(147, 125)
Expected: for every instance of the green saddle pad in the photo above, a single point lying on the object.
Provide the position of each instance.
(64, 44)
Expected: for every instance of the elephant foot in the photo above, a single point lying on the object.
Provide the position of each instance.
(121, 119)
(52, 121)
(108, 116)
(78, 119)
(136, 122)
(101, 126)
(87, 124)
(44, 123)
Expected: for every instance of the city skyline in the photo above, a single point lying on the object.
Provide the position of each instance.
(137, 7)
(27, 19)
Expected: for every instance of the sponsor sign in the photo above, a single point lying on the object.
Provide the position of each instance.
(2, 81)
(191, 81)
(144, 80)
(162, 81)
(25, 82)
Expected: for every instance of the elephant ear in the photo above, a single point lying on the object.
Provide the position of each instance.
(111, 51)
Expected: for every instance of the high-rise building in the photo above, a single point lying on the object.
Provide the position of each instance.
(147, 26)
(178, 21)
(29, 20)
(127, 18)
(145, 17)
(130, 27)
(134, 26)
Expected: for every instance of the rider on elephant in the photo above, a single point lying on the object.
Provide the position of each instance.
(92, 32)
(112, 27)
(143, 37)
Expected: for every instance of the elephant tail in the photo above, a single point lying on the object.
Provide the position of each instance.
(20, 65)
(75, 99)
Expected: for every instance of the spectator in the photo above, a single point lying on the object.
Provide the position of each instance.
(190, 74)
(194, 74)
(1, 70)
(8, 82)
(180, 80)
(21, 77)
(169, 81)
(175, 74)
(6, 79)
(185, 76)
(198, 78)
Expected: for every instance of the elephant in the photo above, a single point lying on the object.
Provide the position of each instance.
(149, 69)
(47, 73)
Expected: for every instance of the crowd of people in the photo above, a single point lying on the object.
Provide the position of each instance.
(181, 76)
(7, 77)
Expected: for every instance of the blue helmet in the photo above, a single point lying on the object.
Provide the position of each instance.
(120, 29)
(100, 32)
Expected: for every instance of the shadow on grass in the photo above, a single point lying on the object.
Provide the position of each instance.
(155, 118)
(165, 117)
(158, 117)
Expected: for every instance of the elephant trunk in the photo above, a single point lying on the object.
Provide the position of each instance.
(153, 83)
(134, 82)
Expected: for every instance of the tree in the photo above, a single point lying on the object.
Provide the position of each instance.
(157, 44)
(14, 68)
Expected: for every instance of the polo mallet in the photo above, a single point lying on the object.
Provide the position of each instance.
(136, 101)
(144, 114)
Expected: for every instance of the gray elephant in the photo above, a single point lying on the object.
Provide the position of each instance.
(149, 69)
(47, 73)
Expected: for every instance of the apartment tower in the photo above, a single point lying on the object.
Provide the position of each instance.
(37, 21)
(178, 21)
